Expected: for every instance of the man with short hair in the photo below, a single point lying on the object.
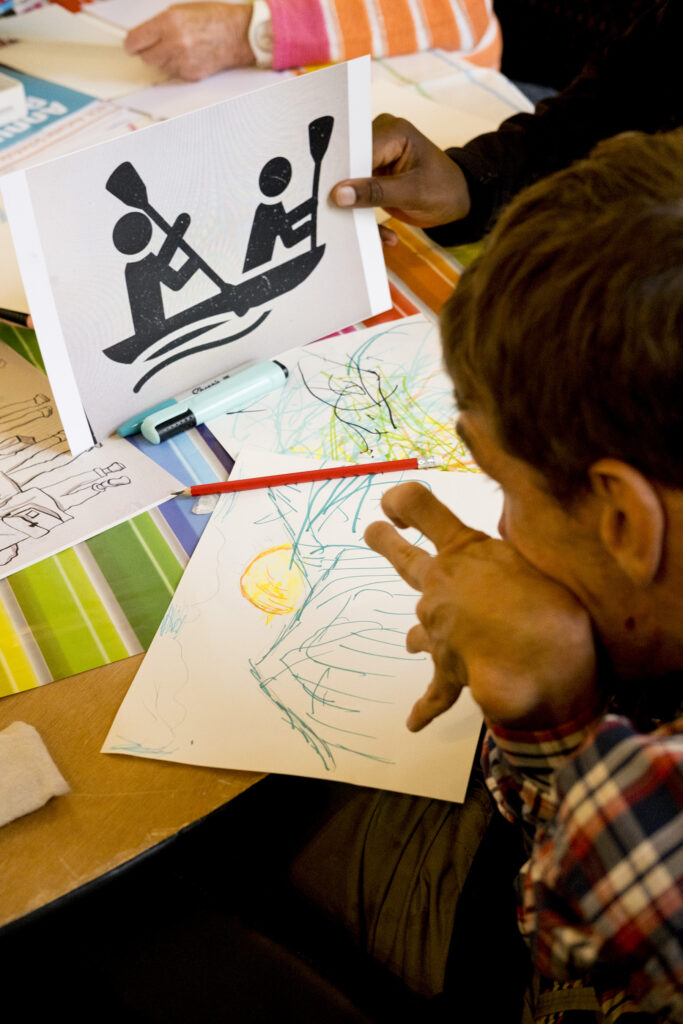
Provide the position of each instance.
(563, 340)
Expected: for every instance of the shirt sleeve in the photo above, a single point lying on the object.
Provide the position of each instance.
(636, 85)
(322, 31)
(602, 891)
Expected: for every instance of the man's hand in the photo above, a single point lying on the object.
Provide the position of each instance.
(520, 641)
(413, 179)
(193, 41)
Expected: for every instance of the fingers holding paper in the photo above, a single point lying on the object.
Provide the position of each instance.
(489, 620)
(413, 179)
(194, 40)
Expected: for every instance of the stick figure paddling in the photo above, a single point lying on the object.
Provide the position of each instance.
(144, 277)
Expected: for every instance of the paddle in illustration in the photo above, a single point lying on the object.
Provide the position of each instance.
(144, 277)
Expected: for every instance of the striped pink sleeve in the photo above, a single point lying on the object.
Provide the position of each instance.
(322, 31)
(299, 33)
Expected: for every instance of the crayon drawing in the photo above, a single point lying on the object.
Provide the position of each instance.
(273, 581)
(379, 393)
(286, 651)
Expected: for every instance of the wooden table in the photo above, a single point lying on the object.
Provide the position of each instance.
(118, 806)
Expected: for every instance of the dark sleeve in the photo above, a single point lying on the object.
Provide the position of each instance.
(637, 85)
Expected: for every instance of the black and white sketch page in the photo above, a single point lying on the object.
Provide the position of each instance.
(51, 499)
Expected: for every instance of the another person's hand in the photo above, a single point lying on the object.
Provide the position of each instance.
(520, 641)
(412, 179)
(193, 41)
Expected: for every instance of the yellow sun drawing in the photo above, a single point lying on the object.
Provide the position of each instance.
(273, 582)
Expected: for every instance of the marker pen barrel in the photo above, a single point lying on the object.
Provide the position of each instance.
(229, 395)
(134, 424)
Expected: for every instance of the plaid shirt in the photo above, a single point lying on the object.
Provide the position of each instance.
(601, 896)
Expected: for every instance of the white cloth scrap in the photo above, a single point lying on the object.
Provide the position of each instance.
(28, 775)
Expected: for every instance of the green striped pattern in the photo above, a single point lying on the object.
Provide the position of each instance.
(18, 670)
(95, 603)
(143, 596)
(24, 342)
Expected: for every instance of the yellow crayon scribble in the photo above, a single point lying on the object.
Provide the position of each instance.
(273, 582)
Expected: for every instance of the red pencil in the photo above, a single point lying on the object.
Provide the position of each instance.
(307, 475)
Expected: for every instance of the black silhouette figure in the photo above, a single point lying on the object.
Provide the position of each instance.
(271, 221)
(144, 277)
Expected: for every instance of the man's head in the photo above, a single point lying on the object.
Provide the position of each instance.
(565, 344)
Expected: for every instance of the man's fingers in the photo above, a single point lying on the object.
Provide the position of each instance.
(389, 142)
(161, 56)
(399, 194)
(417, 640)
(412, 504)
(388, 236)
(439, 697)
(410, 562)
(143, 36)
(361, 192)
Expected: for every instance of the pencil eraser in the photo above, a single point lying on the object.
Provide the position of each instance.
(12, 99)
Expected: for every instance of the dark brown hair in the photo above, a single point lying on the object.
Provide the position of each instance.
(568, 329)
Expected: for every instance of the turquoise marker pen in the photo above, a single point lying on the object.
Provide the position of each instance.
(134, 424)
(229, 395)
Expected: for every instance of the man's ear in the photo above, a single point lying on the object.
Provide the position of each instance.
(632, 520)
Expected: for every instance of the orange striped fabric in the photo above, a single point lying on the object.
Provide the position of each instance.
(398, 26)
(354, 27)
(319, 31)
(477, 17)
(489, 52)
(444, 30)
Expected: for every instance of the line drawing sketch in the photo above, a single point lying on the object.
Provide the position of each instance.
(380, 393)
(40, 482)
(145, 276)
(286, 652)
(49, 498)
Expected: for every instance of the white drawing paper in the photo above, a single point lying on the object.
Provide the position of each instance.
(175, 97)
(49, 499)
(105, 72)
(283, 649)
(201, 244)
(53, 24)
(440, 122)
(380, 393)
